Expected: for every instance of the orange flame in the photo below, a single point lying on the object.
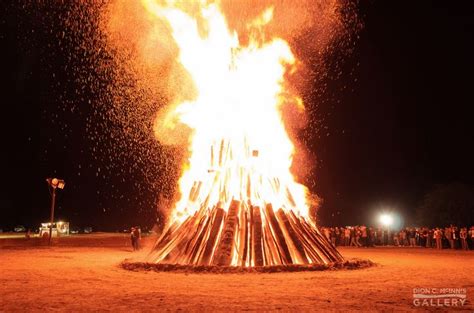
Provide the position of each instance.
(239, 148)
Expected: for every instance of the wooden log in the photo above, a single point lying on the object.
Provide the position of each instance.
(290, 198)
(272, 254)
(311, 244)
(171, 238)
(208, 237)
(195, 190)
(165, 237)
(192, 191)
(279, 237)
(324, 244)
(212, 156)
(221, 152)
(183, 236)
(321, 246)
(256, 238)
(224, 250)
(297, 244)
(218, 216)
(243, 235)
(198, 245)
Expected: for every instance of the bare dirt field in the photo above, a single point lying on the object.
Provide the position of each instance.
(82, 273)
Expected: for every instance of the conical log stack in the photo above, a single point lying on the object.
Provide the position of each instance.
(243, 235)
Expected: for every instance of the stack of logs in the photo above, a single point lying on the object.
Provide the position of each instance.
(244, 235)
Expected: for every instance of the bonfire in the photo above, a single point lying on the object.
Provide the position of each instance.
(240, 204)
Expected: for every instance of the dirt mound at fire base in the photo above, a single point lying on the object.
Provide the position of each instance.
(157, 267)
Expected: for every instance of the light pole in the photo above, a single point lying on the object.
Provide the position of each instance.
(386, 220)
(53, 183)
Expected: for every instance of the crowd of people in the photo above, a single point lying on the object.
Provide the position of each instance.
(452, 237)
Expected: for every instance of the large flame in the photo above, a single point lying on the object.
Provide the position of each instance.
(239, 147)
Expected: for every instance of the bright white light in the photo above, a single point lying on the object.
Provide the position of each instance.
(386, 219)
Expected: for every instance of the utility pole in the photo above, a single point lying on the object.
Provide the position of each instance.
(51, 221)
(53, 183)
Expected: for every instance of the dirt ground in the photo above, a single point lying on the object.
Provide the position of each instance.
(81, 273)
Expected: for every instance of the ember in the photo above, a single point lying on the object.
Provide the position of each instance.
(240, 205)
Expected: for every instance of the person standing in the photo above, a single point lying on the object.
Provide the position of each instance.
(353, 237)
(429, 236)
(403, 237)
(421, 233)
(342, 231)
(365, 242)
(333, 236)
(326, 232)
(133, 238)
(358, 233)
(396, 241)
(138, 235)
(456, 237)
(371, 237)
(337, 234)
(347, 236)
(379, 234)
(449, 235)
(412, 236)
(463, 236)
(471, 237)
(437, 237)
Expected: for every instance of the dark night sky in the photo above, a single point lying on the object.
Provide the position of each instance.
(408, 123)
(398, 118)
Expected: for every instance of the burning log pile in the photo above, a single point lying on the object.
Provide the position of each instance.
(245, 235)
(240, 205)
(241, 233)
